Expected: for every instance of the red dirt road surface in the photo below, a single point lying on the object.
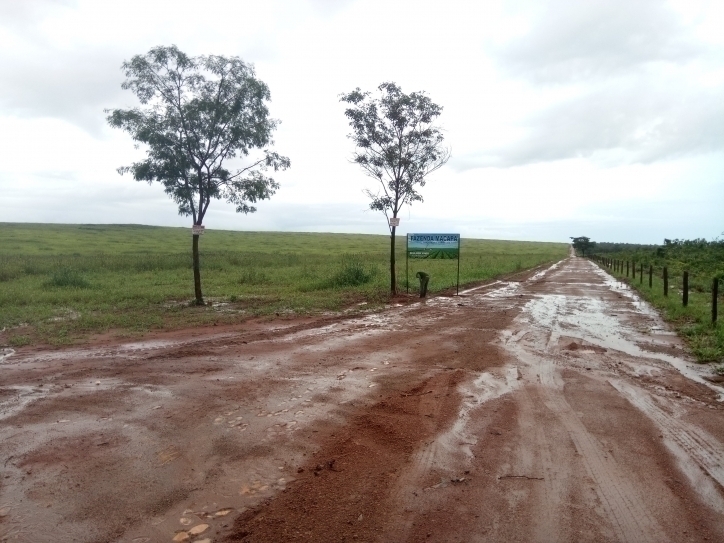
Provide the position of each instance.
(556, 407)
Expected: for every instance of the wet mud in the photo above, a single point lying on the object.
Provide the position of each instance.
(556, 407)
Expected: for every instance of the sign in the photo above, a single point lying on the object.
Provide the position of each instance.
(394, 221)
(445, 246)
(197, 229)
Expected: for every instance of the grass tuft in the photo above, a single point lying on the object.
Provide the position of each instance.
(352, 273)
(68, 278)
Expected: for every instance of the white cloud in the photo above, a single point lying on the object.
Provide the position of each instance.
(560, 114)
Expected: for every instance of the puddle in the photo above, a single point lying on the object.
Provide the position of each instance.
(487, 386)
(591, 320)
(6, 353)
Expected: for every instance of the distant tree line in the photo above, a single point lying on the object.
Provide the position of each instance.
(701, 258)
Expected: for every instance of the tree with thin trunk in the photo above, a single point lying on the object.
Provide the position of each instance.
(200, 113)
(398, 145)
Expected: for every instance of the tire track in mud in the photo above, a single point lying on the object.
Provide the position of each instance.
(555, 493)
(621, 502)
(449, 452)
(699, 455)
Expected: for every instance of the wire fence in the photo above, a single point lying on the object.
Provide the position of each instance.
(631, 269)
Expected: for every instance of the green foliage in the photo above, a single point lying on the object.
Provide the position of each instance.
(703, 259)
(19, 340)
(398, 145)
(139, 276)
(583, 244)
(352, 273)
(67, 277)
(200, 112)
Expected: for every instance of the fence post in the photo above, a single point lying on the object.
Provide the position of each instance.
(633, 269)
(666, 281)
(651, 275)
(714, 297)
(627, 268)
(641, 274)
(686, 289)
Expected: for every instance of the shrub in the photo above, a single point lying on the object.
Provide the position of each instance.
(352, 273)
(66, 277)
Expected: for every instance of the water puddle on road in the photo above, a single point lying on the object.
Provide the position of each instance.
(598, 322)
(5, 354)
(452, 448)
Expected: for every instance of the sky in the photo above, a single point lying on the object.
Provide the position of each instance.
(598, 118)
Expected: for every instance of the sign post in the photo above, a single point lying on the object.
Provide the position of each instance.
(433, 246)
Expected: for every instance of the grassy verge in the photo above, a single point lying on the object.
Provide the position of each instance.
(692, 322)
(60, 284)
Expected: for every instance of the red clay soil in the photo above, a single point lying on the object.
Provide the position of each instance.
(553, 408)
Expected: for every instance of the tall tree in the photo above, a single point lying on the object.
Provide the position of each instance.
(582, 244)
(398, 145)
(200, 112)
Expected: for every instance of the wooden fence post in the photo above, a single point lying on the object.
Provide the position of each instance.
(714, 297)
(627, 268)
(641, 274)
(633, 269)
(666, 281)
(686, 289)
(651, 275)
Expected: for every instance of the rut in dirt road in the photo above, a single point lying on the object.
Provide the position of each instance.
(555, 407)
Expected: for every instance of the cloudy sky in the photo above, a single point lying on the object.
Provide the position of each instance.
(602, 118)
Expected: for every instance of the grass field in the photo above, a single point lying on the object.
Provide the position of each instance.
(61, 283)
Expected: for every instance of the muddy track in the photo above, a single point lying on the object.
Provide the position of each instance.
(553, 407)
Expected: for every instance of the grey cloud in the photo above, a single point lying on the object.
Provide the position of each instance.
(75, 86)
(617, 126)
(572, 41)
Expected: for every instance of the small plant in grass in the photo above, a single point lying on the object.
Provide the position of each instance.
(253, 277)
(66, 277)
(352, 273)
(19, 341)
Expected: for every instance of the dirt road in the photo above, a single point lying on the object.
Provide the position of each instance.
(552, 408)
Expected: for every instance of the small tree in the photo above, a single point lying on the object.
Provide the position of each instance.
(200, 112)
(582, 244)
(398, 145)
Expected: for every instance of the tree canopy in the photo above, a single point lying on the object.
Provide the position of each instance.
(200, 112)
(397, 144)
(582, 244)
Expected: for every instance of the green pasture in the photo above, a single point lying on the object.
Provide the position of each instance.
(61, 283)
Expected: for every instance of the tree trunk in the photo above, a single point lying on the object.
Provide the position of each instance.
(197, 271)
(393, 283)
